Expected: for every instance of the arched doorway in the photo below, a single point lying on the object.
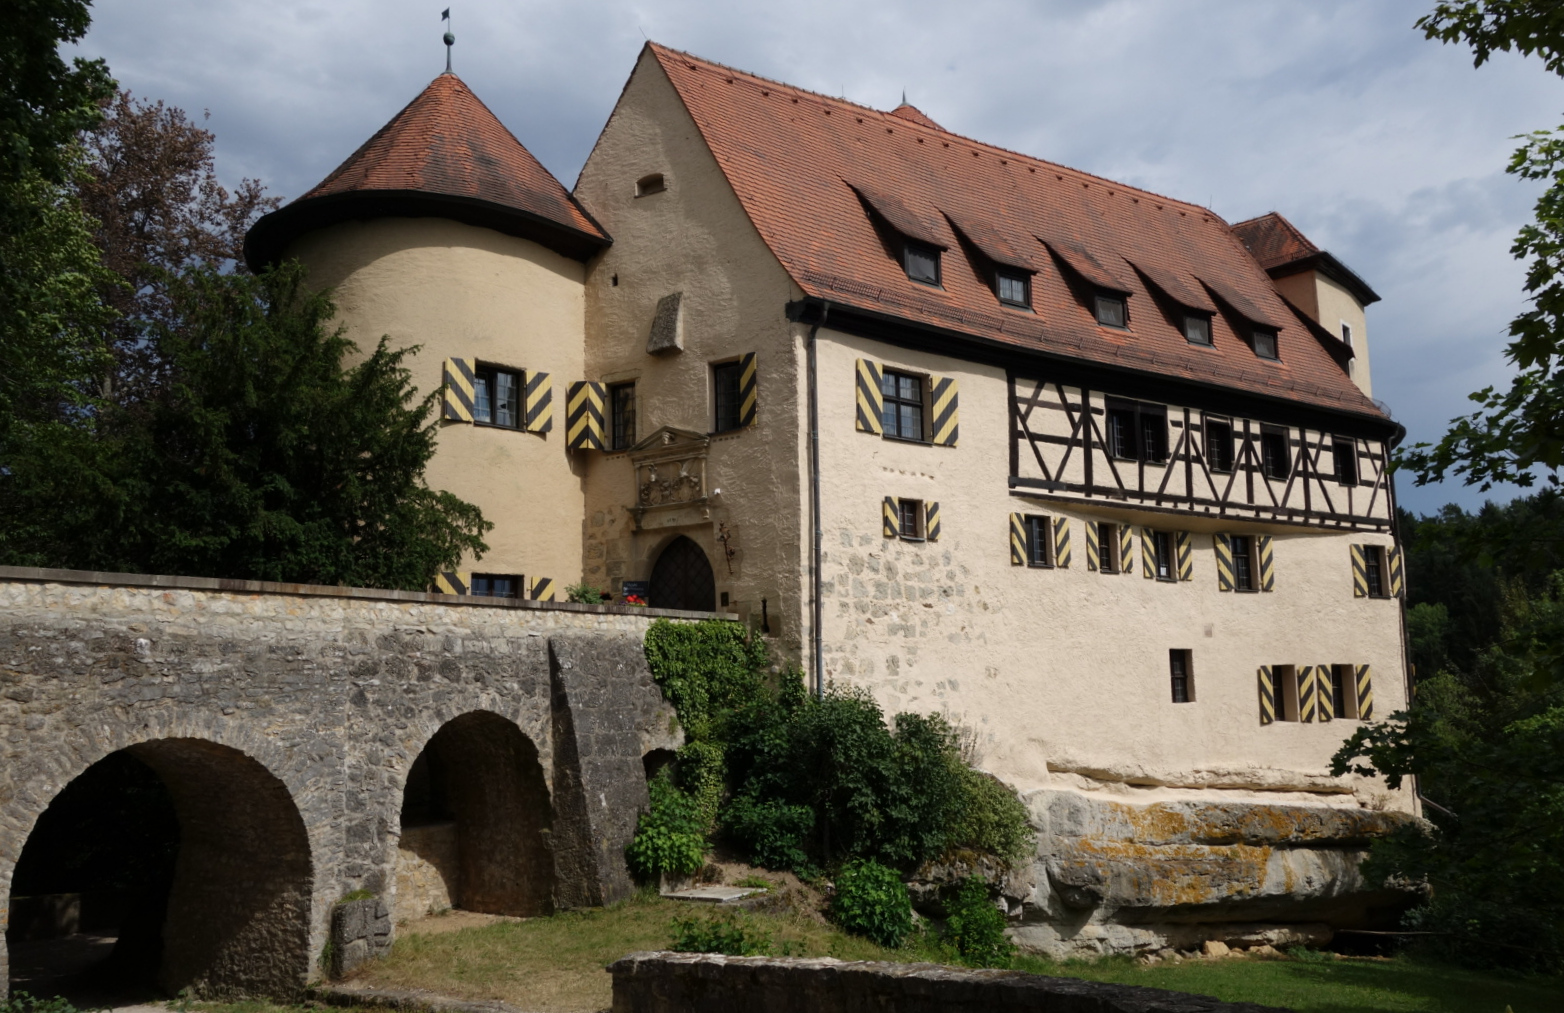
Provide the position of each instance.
(682, 578)
(171, 865)
(475, 815)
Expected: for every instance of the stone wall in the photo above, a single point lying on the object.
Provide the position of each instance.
(284, 720)
(711, 983)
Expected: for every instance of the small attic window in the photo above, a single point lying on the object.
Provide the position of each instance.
(1111, 310)
(648, 185)
(1197, 328)
(921, 261)
(1265, 343)
(1014, 288)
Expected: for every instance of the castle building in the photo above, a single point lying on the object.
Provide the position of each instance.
(1088, 469)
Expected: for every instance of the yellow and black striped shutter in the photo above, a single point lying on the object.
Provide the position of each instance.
(890, 520)
(747, 389)
(1267, 563)
(1365, 687)
(1184, 548)
(1308, 696)
(1093, 553)
(931, 521)
(1360, 582)
(1397, 574)
(1267, 696)
(542, 588)
(871, 398)
(1148, 555)
(451, 582)
(1126, 549)
(456, 400)
(1017, 540)
(1323, 692)
(943, 409)
(538, 402)
(1224, 563)
(584, 415)
(1061, 541)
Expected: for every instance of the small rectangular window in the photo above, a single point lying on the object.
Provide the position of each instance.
(1121, 433)
(1344, 452)
(1219, 444)
(921, 262)
(1243, 562)
(1108, 548)
(1111, 310)
(1162, 553)
(1180, 669)
(1343, 692)
(725, 379)
(495, 585)
(1153, 436)
(1286, 677)
(1374, 570)
(909, 518)
(1197, 328)
(496, 397)
(1137, 432)
(621, 407)
(1275, 461)
(1346, 334)
(902, 413)
(1265, 343)
(1039, 541)
(1015, 288)
(648, 185)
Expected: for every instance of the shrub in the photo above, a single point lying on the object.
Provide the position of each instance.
(706, 669)
(21, 1002)
(701, 771)
(977, 927)
(669, 837)
(775, 834)
(992, 818)
(871, 901)
(719, 935)
(583, 594)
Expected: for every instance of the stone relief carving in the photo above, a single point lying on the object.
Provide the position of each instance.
(670, 479)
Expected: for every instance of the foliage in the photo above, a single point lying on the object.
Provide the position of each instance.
(871, 901)
(719, 935)
(43, 101)
(992, 818)
(977, 927)
(701, 770)
(670, 837)
(774, 834)
(705, 669)
(583, 594)
(22, 1002)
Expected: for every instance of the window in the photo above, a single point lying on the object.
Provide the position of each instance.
(1374, 570)
(1039, 541)
(1346, 334)
(1162, 554)
(496, 397)
(1108, 548)
(1343, 692)
(902, 415)
(621, 407)
(1183, 681)
(1274, 458)
(1265, 343)
(1286, 689)
(648, 185)
(1121, 433)
(495, 585)
(1344, 452)
(1197, 328)
(725, 378)
(1111, 310)
(909, 519)
(921, 262)
(1243, 562)
(1015, 288)
(1219, 444)
(1153, 435)
(1137, 432)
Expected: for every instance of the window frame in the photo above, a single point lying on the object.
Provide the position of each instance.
(1034, 525)
(1108, 546)
(1203, 318)
(1269, 433)
(887, 400)
(1346, 334)
(1284, 680)
(621, 437)
(1185, 658)
(1336, 447)
(912, 247)
(1022, 278)
(1344, 693)
(1140, 413)
(1101, 296)
(1162, 556)
(1251, 564)
(1270, 333)
(1226, 423)
(719, 370)
(913, 510)
(474, 580)
(1376, 567)
(485, 380)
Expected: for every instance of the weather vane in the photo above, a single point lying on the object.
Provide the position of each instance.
(450, 40)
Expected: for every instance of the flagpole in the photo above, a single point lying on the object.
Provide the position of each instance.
(450, 39)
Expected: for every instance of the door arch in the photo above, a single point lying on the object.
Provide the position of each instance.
(682, 578)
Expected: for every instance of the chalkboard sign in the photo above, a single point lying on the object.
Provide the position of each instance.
(641, 588)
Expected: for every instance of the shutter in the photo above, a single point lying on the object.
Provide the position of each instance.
(1267, 563)
(1017, 540)
(451, 582)
(584, 415)
(890, 520)
(746, 389)
(1093, 553)
(942, 406)
(1224, 563)
(1126, 549)
(538, 404)
(1184, 548)
(1397, 575)
(931, 521)
(1360, 581)
(1308, 698)
(1365, 687)
(1323, 694)
(1267, 696)
(456, 398)
(871, 398)
(542, 588)
(1148, 555)
(1061, 541)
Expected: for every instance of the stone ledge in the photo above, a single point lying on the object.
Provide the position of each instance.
(412, 1000)
(39, 575)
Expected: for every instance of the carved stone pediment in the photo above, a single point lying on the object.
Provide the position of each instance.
(670, 479)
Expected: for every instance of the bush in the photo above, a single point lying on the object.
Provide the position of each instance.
(583, 594)
(977, 927)
(775, 834)
(21, 1002)
(701, 772)
(706, 669)
(719, 935)
(871, 901)
(670, 836)
(992, 818)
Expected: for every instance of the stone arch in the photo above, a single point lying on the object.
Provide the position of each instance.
(236, 918)
(475, 822)
(682, 578)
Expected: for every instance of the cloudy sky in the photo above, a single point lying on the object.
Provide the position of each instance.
(1386, 149)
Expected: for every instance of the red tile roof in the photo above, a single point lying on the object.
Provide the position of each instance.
(809, 170)
(1282, 250)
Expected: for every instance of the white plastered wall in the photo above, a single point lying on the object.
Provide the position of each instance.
(1331, 305)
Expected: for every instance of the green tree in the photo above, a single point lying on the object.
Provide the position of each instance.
(45, 102)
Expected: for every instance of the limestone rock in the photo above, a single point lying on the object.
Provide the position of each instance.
(1214, 948)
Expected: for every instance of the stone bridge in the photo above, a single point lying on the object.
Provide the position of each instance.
(310, 744)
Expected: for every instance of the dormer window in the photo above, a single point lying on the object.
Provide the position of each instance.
(1112, 310)
(648, 185)
(921, 262)
(1197, 328)
(1265, 343)
(1014, 288)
